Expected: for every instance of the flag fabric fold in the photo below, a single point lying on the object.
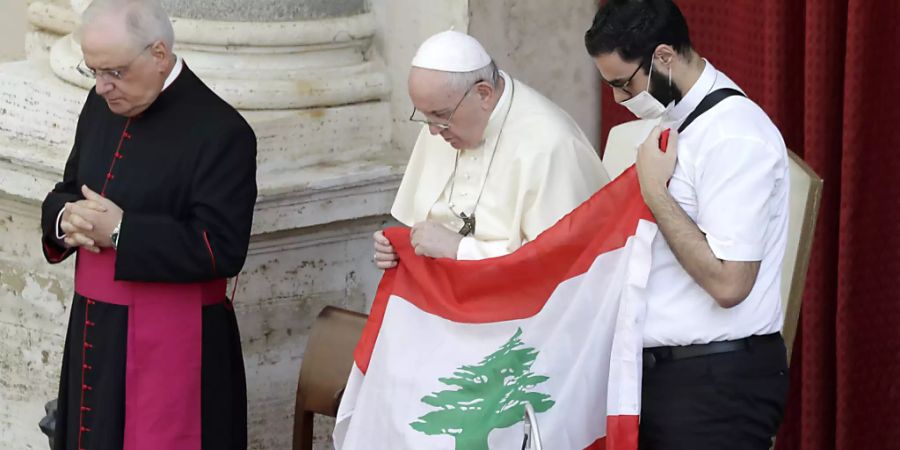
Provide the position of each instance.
(453, 350)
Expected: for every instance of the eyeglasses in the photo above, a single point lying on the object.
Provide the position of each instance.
(624, 85)
(115, 74)
(442, 125)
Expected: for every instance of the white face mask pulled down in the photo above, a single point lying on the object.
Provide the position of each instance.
(644, 105)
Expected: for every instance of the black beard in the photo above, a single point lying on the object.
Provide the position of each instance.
(661, 91)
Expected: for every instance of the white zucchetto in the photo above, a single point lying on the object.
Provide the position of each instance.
(451, 51)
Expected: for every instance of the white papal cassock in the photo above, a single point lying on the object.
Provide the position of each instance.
(543, 168)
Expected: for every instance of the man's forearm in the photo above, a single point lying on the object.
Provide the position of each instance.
(728, 282)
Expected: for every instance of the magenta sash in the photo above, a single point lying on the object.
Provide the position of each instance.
(162, 368)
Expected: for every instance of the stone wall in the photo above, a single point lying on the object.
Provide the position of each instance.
(12, 29)
(262, 10)
(542, 43)
(402, 26)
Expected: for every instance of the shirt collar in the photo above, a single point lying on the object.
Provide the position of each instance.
(499, 112)
(704, 85)
(179, 64)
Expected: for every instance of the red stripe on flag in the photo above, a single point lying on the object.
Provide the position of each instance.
(622, 432)
(514, 286)
(363, 352)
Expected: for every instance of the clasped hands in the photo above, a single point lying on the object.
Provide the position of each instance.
(89, 223)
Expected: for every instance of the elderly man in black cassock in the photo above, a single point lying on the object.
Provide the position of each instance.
(157, 201)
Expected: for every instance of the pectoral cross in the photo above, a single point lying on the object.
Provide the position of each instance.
(468, 224)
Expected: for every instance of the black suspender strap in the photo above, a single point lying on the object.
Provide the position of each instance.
(708, 102)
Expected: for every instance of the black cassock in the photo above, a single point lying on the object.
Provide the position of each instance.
(184, 172)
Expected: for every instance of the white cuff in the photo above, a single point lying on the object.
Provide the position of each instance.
(58, 219)
(734, 251)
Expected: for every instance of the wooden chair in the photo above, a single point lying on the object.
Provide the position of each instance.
(325, 368)
(804, 198)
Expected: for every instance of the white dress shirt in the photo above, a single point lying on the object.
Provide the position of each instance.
(731, 178)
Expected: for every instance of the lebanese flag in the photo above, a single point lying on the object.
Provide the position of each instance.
(454, 349)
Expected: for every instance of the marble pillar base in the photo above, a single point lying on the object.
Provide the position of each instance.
(34, 305)
(38, 110)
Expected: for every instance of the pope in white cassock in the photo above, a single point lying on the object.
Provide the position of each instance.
(496, 163)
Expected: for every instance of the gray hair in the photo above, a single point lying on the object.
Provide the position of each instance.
(145, 20)
(460, 81)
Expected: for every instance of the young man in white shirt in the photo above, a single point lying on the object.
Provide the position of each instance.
(715, 371)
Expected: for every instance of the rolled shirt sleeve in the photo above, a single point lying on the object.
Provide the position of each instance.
(734, 193)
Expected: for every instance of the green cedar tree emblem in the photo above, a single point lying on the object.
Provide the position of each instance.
(487, 396)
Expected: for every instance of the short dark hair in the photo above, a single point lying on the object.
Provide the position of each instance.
(634, 28)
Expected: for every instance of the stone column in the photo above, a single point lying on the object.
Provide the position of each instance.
(303, 75)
